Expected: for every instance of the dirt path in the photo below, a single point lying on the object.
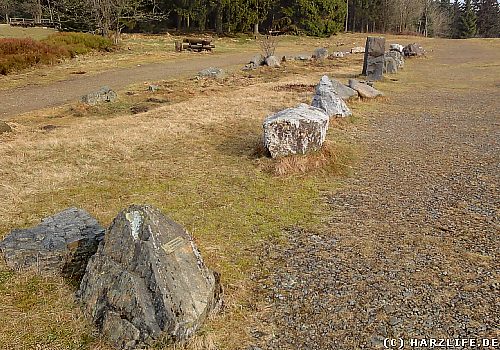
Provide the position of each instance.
(30, 98)
(411, 248)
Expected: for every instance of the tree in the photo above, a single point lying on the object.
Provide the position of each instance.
(489, 18)
(467, 25)
(6, 8)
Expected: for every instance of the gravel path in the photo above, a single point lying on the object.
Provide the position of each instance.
(411, 248)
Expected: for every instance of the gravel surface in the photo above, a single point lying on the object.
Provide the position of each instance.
(411, 248)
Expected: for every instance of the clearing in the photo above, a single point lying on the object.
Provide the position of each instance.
(402, 242)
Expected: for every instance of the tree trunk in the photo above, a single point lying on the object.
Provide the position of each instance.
(218, 19)
(256, 29)
(346, 16)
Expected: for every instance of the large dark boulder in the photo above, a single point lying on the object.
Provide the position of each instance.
(295, 130)
(148, 281)
(326, 98)
(62, 243)
(373, 66)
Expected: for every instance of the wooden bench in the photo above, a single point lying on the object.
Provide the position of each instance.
(28, 22)
(197, 45)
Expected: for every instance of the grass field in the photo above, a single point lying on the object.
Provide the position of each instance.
(194, 157)
(6, 31)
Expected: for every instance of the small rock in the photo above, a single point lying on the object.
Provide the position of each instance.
(104, 94)
(364, 90)
(295, 130)
(394, 321)
(358, 49)
(302, 58)
(320, 53)
(148, 281)
(327, 99)
(4, 127)
(337, 54)
(153, 88)
(287, 58)
(272, 61)
(211, 72)
(139, 109)
(62, 243)
(396, 47)
(48, 127)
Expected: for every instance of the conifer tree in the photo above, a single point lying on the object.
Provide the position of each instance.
(468, 20)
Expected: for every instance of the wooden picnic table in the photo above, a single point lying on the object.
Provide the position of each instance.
(194, 44)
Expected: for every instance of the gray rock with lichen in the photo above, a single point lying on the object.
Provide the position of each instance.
(295, 130)
(390, 65)
(272, 61)
(211, 72)
(326, 98)
(148, 281)
(345, 92)
(398, 57)
(104, 94)
(61, 244)
(320, 53)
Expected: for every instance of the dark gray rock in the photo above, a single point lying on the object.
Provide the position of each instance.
(295, 130)
(320, 53)
(373, 66)
(211, 72)
(326, 98)
(364, 90)
(104, 94)
(4, 127)
(398, 57)
(62, 243)
(272, 61)
(390, 65)
(345, 92)
(413, 50)
(148, 281)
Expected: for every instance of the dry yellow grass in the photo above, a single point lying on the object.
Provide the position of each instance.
(193, 158)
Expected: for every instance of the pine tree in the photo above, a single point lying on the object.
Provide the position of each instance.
(489, 19)
(468, 20)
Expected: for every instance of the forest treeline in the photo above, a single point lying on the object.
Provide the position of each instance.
(457, 19)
